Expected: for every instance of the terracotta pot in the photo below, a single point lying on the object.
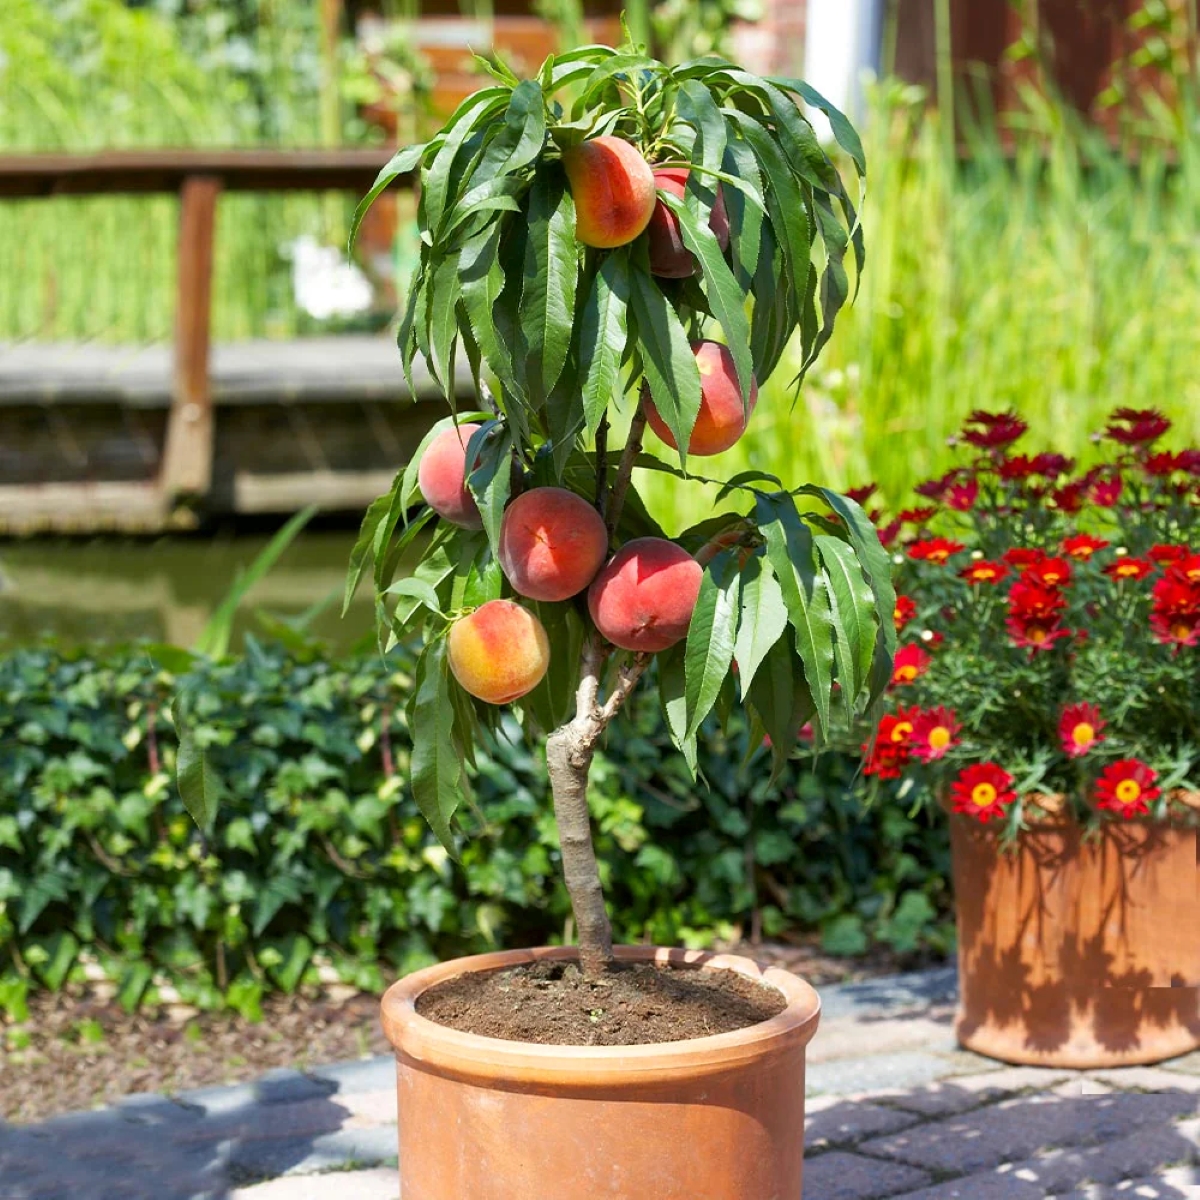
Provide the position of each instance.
(715, 1117)
(1078, 952)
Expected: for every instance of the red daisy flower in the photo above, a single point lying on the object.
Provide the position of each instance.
(1034, 633)
(1069, 498)
(904, 611)
(984, 571)
(1106, 490)
(917, 516)
(982, 791)
(1017, 468)
(1159, 466)
(889, 751)
(1021, 556)
(1028, 598)
(962, 496)
(1136, 426)
(936, 550)
(1168, 554)
(935, 489)
(860, 495)
(1129, 568)
(991, 431)
(889, 533)
(1082, 546)
(1079, 729)
(1187, 568)
(1127, 787)
(1051, 466)
(1176, 629)
(910, 663)
(1189, 461)
(934, 733)
(1048, 573)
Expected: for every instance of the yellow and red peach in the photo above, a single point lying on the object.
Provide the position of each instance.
(721, 419)
(441, 477)
(499, 652)
(613, 188)
(644, 596)
(552, 543)
(669, 257)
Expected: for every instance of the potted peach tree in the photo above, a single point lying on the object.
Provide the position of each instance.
(1047, 693)
(614, 246)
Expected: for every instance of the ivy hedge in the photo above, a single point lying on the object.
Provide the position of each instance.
(319, 867)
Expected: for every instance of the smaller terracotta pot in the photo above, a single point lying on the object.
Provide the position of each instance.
(718, 1118)
(1078, 951)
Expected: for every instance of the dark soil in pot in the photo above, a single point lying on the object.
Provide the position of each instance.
(551, 1003)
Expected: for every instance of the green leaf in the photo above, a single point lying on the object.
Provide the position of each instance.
(419, 589)
(762, 618)
(791, 552)
(697, 107)
(844, 935)
(550, 277)
(200, 786)
(672, 693)
(552, 702)
(667, 359)
(727, 300)
(490, 479)
(844, 133)
(401, 163)
(780, 700)
(436, 768)
(445, 286)
(482, 282)
(174, 659)
(434, 568)
(852, 604)
(524, 133)
(745, 218)
(710, 637)
(602, 333)
(448, 167)
(376, 512)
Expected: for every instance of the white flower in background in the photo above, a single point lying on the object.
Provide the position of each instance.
(324, 283)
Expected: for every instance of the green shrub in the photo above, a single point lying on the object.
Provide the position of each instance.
(319, 866)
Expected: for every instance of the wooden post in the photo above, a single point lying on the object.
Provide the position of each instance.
(188, 455)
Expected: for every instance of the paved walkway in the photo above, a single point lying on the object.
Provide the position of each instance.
(895, 1111)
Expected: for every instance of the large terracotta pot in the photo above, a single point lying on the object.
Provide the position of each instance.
(717, 1117)
(1075, 951)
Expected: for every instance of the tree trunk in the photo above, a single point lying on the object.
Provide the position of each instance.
(569, 751)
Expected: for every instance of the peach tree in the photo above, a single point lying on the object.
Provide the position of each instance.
(615, 245)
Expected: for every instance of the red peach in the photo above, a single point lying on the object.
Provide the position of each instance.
(644, 596)
(440, 477)
(721, 419)
(499, 652)
(552, 543)
(669, 257)
(613, 189)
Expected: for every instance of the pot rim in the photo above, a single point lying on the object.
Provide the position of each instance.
(474, 1057)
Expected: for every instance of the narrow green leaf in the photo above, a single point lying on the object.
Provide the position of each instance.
(444, 289)
(482, 282)
(362, 551)
(435, 765)
(672, 693)
(762, 618)
(448, 170)
(844, 133)
(419, 589)
(852, 604)
(779, 698)
(791, 552)
(401, 163)
(745, 218)
(709, 647)
(667, 359)
(435, 568)
(602, 333)
(490, 479)
(697, 106)
(552, 702)
(524, 133)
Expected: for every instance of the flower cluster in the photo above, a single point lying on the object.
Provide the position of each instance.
(1049, 619)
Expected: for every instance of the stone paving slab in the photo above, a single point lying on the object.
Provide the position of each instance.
(895, 1112)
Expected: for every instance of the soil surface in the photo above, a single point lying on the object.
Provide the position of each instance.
(634, 1004)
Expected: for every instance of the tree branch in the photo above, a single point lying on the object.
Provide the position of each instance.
(602, 466)
(633, 447)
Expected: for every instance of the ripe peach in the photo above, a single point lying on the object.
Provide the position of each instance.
(721, 419)
(552, 543)
(669, 257)
(644, 596)
(440, 477)
(499, 652)
(613, 188)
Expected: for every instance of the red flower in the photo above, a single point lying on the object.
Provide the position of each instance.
(917, 516)
(1079, 729)
(991, 431)
(1021, 556)
(1189, 461)
(860, 495)
(1176, 629)
(1017, 468)
(982, 791)
(984, 571)
(888, 753)
(1082, 546)
(935, 489)
(1188, 568)
(936, 550)
(1129, 568)
(1168, 554)
(910, 663)
(1127, 787)
(904, 611)
(1069, 498)
(1028, 598)
(1034, 633)
(1106, 490)
(1175, 610)
(962, 496)
(1048, 573)
(1160, 465)
(889, 533)
(1051, 466)
(1136, 426)
(934, 733)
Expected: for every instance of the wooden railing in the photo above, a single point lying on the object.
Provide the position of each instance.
(198, 177)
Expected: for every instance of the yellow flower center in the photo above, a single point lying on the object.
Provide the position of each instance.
(1037, 633)
(1051, 577)
(906, 674)
(983, 794)
(1083, 734)
(982, 573)
(1084, 551)
(1128, 791)
(938, 556)
(901, 731)
(1181, 631)
(939, 737)
(1193, 574)
(1127, 569)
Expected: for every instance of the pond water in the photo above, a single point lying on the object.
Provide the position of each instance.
(165, 589)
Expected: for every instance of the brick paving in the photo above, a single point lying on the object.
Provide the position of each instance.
(896, 1112)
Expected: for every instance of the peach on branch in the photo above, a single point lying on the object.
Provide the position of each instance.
(499, 652)
(613, 189)
(441, 477)
(552, 543)
(669, 257)
(721, 419)
(644, 596)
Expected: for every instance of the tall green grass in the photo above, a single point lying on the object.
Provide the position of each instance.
(1062, 279)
